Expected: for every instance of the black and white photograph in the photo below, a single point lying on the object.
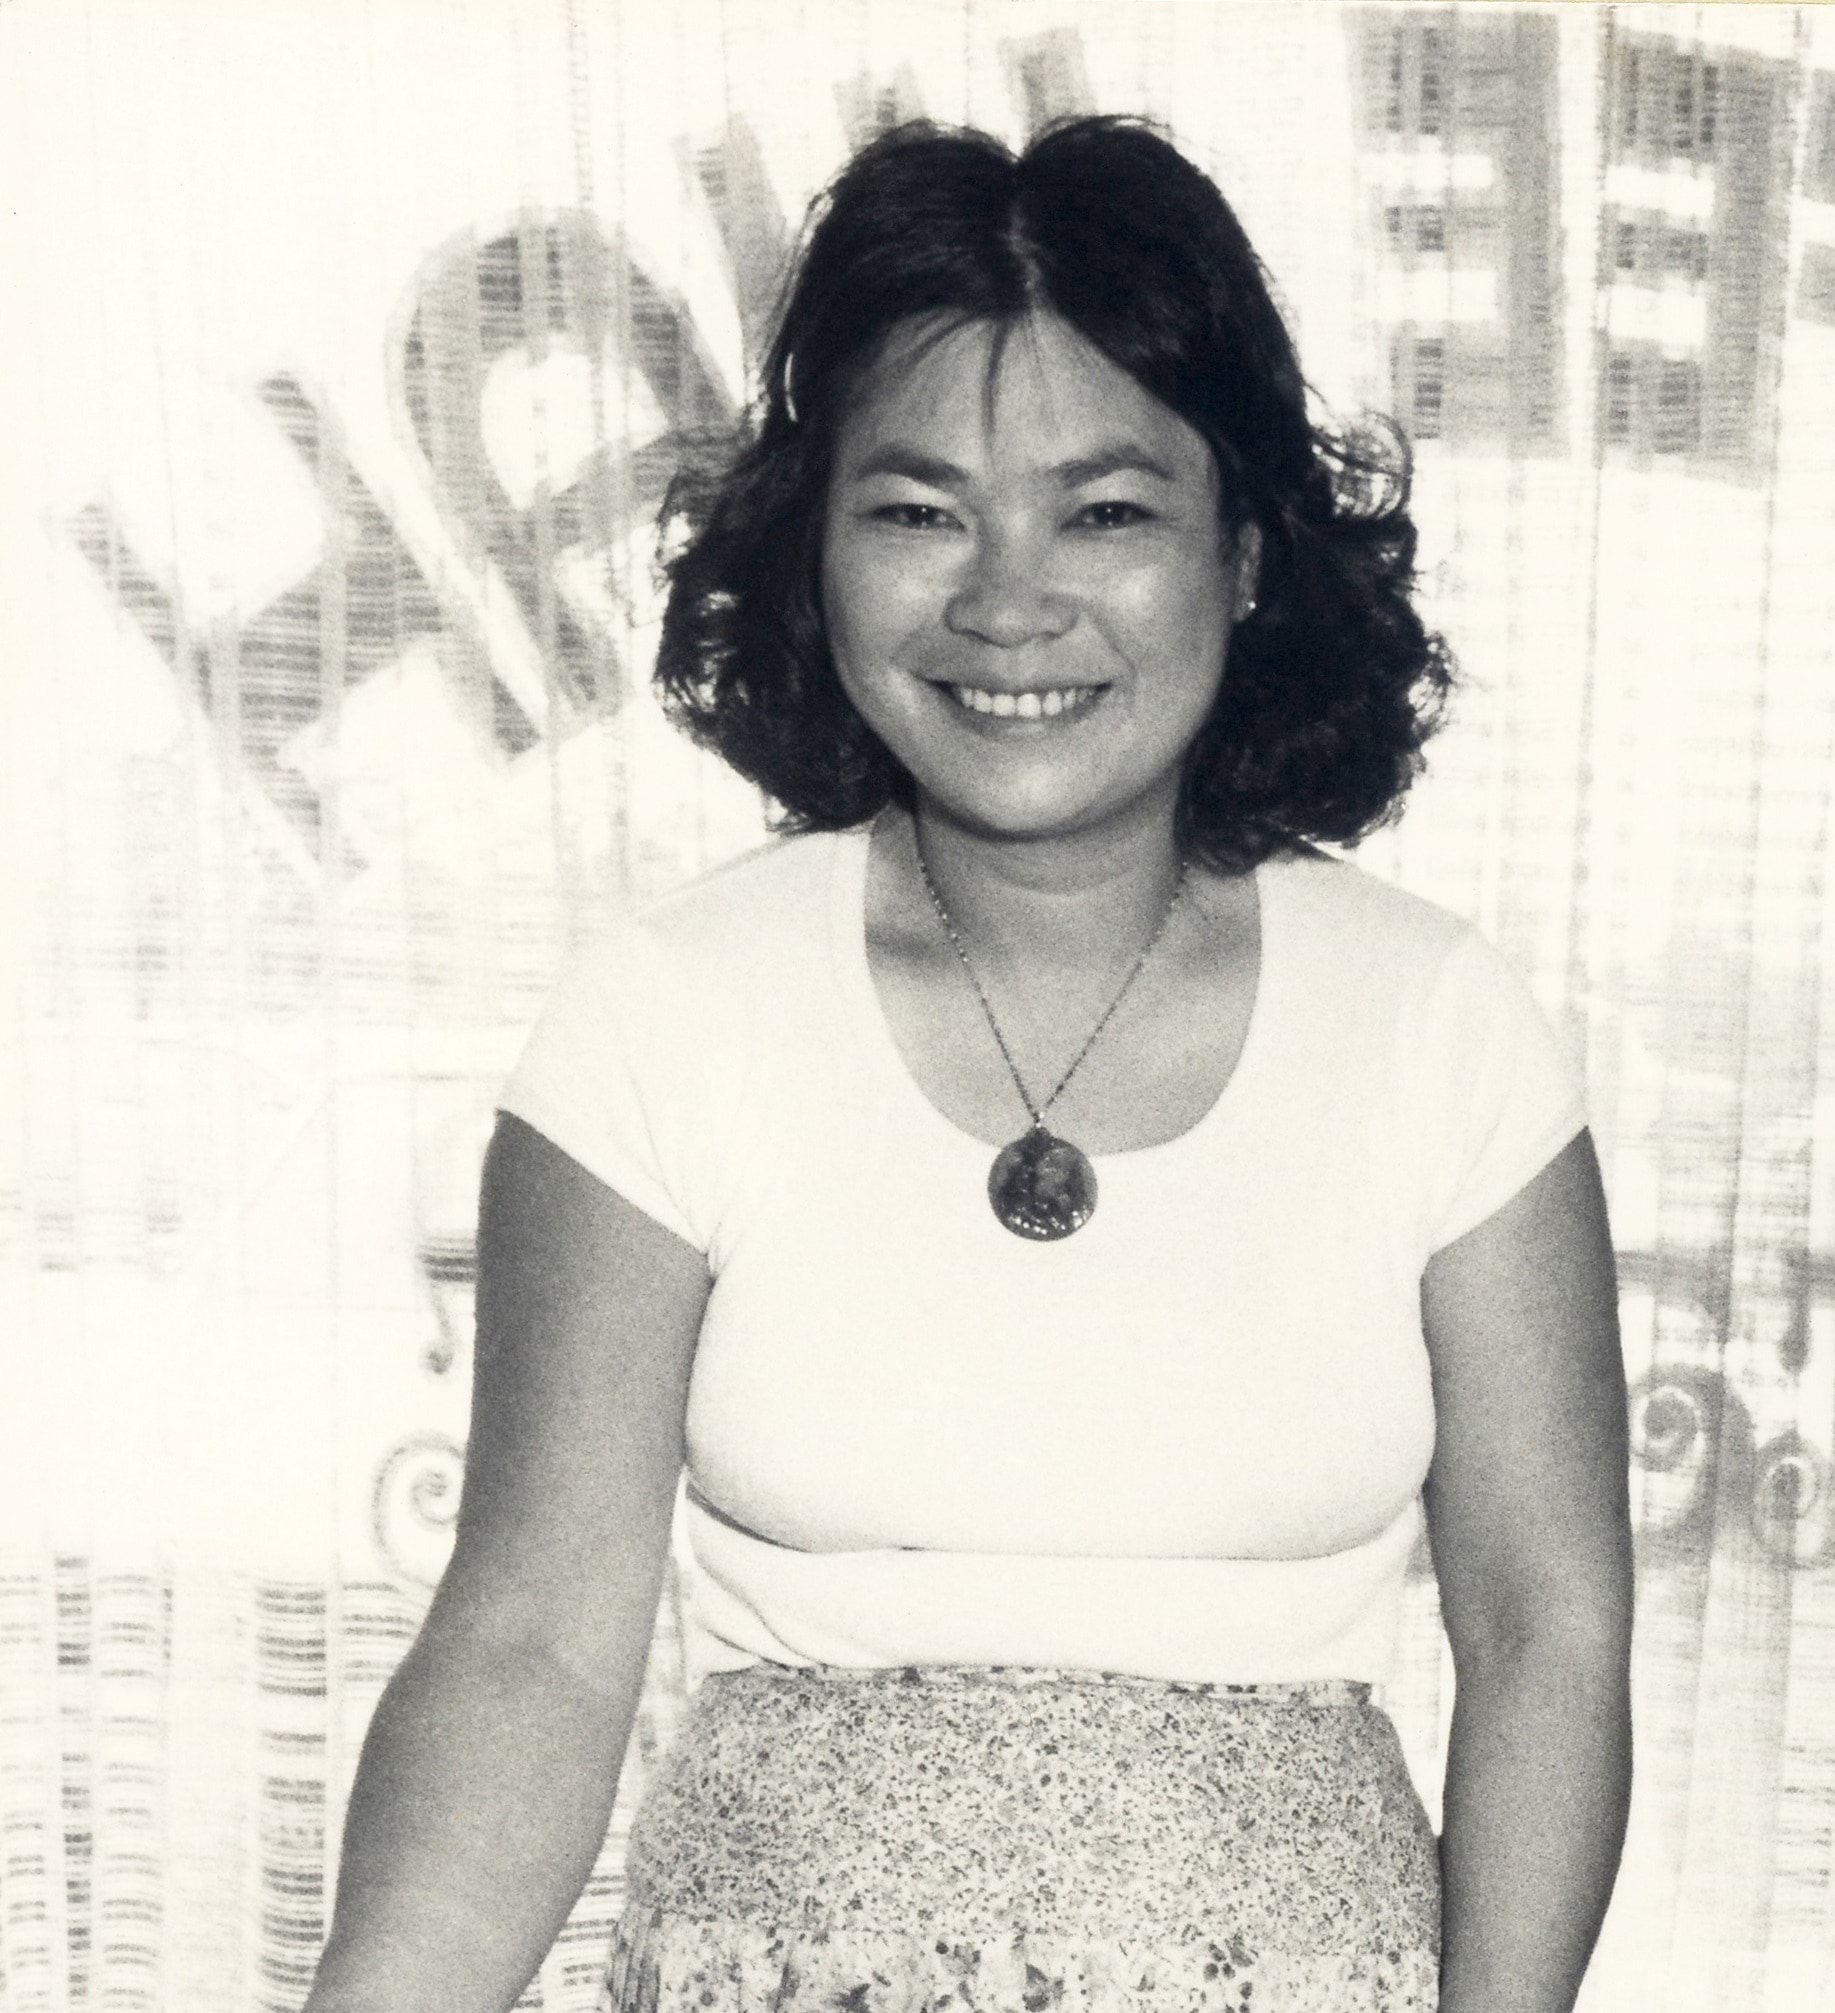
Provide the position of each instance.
(919, 1006)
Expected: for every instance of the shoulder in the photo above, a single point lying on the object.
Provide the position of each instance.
(1478, 1089)
(731, 934)
(1343, 914)
(1401, 975)
(778, 896)
(645, 1063)
(685, 968)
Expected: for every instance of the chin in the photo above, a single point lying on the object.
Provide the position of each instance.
(1046, 815)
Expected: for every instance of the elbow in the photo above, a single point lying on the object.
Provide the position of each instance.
(1588, 1666)
(1561, 1685)
(1578, 1634)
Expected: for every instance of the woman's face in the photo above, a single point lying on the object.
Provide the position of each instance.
(1026, 580)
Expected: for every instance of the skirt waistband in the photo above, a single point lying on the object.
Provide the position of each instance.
(967, 1801)
(1314, 1692)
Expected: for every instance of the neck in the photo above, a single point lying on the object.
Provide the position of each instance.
(1059, 904)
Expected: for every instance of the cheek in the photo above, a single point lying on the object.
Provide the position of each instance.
(1179, 615)
(870, 600)
(846, 615)
(862, 630)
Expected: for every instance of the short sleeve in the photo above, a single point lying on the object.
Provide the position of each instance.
(1499, 1098)
(603, 1077)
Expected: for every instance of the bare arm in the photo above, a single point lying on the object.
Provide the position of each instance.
(487, 1777)
(1528, 1515)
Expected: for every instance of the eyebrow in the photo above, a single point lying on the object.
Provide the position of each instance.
(1120, 458)
(1115, 458)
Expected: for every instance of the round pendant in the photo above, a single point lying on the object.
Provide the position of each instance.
(1042, 1186)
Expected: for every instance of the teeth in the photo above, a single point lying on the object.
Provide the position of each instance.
(1024, 705)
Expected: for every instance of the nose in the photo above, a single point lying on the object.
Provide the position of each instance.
(1005, 596)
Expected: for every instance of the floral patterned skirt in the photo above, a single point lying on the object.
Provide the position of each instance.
(1004, 1840)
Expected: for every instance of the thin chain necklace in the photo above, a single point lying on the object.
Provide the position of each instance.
(1041, 1186)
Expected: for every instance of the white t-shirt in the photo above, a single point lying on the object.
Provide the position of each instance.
(1187, 1441)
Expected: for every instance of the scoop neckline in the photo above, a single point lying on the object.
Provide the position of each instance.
(848, 938)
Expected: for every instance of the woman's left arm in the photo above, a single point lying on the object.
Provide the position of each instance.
(1528, 1514)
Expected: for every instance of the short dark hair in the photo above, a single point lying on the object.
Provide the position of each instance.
(1334, 683)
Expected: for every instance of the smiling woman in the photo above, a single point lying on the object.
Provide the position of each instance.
(1067, 1227)
(1023, 553)
(1192, 411)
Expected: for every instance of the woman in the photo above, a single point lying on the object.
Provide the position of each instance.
(1060, 1219)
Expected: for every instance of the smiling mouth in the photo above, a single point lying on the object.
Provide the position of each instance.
(1046, 703)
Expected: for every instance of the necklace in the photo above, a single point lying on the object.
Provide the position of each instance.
(1041, 1186)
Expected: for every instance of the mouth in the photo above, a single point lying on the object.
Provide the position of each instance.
(1045, 702)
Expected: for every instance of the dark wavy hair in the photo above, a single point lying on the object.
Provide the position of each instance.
(1333, 685)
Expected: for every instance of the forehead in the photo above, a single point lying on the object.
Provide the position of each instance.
(1033, 390)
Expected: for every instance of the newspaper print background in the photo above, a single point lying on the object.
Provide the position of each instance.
(345, 350)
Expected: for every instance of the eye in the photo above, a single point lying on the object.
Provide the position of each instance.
(1112, 515)
(912, 516)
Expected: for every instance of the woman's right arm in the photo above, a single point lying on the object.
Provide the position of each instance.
(487, 1777)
